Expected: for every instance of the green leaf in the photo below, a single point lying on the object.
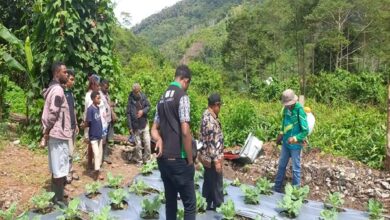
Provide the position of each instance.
(6, 35)
(29, 57)
(12, 62)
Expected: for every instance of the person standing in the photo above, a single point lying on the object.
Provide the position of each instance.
(138, 107)
(171, 131)
(292, 137)
(109, 118)
(211, 154)
(73, 123)
(57, 130)
(95, 132)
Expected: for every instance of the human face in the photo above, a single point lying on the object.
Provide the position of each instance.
(216, 108)
(105, 88)
(62, 74)
(96, 100)
(70, 82)
(137, 91)
(185, 83)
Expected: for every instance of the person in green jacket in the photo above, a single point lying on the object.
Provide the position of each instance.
(292, 136)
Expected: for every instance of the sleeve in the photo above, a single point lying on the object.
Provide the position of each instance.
(156, 117)
(128, 112)
(204, 139)
(147, 105)
(55, 103)
(184, 109)
(87, 103)
(303, 124)
(88, 118)
(282, 127)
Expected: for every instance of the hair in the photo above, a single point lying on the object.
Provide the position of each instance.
(183, 72)
(70, 72)
(92, 83)
(136, 85)
(94, 94)
(56, 66)
(104, 82)
(90, 73)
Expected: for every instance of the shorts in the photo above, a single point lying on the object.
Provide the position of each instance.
(58, 157)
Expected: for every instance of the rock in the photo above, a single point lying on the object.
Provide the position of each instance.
(17, 142)
(385, 185)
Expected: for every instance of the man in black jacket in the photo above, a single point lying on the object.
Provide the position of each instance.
(138, 107)
(172, 133)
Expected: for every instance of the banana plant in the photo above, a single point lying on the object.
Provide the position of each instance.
(25, 64)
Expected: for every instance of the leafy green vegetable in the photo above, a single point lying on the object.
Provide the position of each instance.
(180, 214)
(161, 197)
(236, 182)
(93, 188)
(104, 214)
(293, 200)
(148, 168)
(225, 185)
(251, 195)
(71, 212)
(140, 188)
(117, 197)
(150, 208)
(114, 181)
(227, 209)
(375, 209)
(42, 201)
(200, 203)
(329, 214)
(264, 186)
(9, 213)
(335, 200)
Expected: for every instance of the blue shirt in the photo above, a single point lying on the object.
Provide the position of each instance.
(95, 123)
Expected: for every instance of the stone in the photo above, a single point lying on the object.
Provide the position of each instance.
(385, 185)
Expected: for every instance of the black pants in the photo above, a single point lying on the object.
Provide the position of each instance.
(178, 177)
(212, 187)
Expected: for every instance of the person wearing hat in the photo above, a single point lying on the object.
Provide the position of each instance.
(211, 154)
(292, 136)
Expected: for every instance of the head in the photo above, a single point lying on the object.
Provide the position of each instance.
(137, 90)
(70, 83)
(105, 86)
(58, 71)
(289, 99)
(183, 76)
(93, 85)
(95, 96)
(215, 103)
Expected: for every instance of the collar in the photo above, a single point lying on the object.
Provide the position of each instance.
(175, 84)
(212, 113)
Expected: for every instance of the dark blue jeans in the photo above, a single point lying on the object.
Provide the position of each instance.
(285, 155)
(178, 177)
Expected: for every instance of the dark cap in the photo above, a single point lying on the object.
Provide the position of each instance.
(214, 98)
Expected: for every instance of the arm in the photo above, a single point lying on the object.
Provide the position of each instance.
(55, 103)
(156, 134)
(184, 115)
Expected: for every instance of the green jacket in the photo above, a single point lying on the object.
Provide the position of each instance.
(294, 124)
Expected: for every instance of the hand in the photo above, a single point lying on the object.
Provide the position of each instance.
(292, 140)
(140, 113)
(218, 166)
(279, 139)
(77, 130)
(205, 163)
(130, 131)
(159, 147)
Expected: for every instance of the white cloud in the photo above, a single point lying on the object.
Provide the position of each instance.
(140, 9)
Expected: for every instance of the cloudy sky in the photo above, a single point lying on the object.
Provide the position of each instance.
(140, 9)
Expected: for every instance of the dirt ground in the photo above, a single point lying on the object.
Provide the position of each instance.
(24, 173)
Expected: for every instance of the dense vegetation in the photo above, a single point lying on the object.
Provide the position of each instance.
(342, 72)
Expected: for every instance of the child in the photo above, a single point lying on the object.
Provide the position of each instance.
(94, 122)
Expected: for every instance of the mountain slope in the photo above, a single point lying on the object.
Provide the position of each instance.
(182, 18)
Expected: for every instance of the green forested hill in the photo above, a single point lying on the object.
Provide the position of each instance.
(184, 17)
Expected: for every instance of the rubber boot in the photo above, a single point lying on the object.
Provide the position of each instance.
(58, 185)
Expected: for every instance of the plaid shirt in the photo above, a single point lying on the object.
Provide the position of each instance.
(211, 136)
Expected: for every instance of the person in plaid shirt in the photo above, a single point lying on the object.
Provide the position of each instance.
(211, 155)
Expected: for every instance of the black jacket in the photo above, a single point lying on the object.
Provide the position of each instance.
(133, 105)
